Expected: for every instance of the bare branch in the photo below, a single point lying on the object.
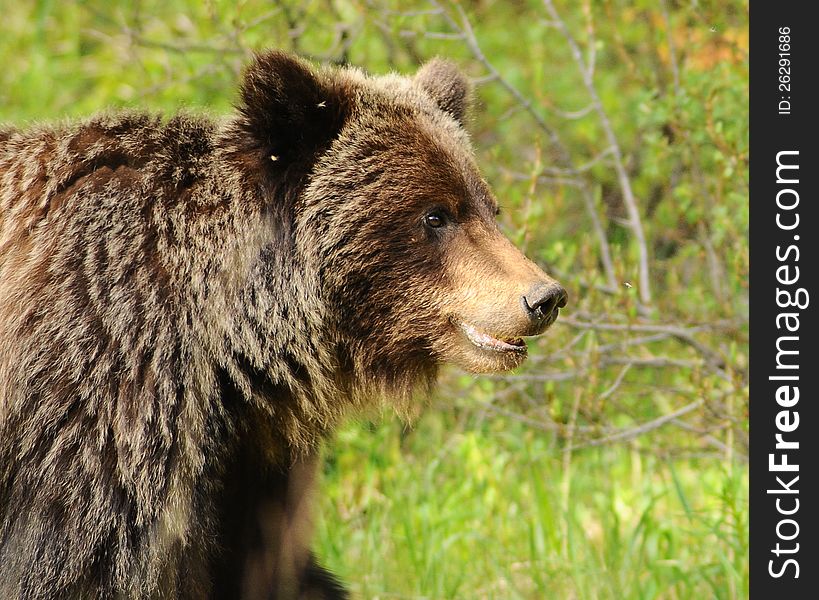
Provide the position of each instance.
(633, 432)
(520, 418)
(713, 359)
(625, 184)
(432, 35)
(672, 53)
(674, 330)
(484, 80)
(637, 341)
(591, 45)
(411, 13)
(137, 39)
(710, 439)
(573, 115)
(541, 377)
(617, 382)
(587, 166)
(465, 28)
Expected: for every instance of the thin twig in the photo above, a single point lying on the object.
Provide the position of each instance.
(573, 115)
(629, 200)
(587, 166)
(617, 382)
(682, 334)
(707, 437)
(633, 432)
(465, 28)
(672, 53)
(137, 39)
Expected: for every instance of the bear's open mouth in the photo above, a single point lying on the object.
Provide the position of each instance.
(487, 342)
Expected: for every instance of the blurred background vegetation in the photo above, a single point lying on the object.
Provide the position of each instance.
(615, 134)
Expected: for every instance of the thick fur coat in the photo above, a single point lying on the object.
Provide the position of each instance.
(188, 306)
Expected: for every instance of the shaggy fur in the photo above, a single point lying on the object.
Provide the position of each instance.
(187, 307)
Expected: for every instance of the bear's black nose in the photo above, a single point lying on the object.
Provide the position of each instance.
(542, 300)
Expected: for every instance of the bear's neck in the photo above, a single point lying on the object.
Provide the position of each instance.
(265, 328)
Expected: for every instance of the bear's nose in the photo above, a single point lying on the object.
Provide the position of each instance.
(543, 299)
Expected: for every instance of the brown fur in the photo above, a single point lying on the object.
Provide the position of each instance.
(187, 307)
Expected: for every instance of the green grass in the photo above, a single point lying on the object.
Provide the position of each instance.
(488, 509)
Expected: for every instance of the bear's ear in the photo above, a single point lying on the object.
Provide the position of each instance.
(289, 111)
(445, 83)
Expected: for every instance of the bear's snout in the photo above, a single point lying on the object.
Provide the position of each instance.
(542, 303)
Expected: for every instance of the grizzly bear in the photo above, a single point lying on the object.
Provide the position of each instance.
(188, 306)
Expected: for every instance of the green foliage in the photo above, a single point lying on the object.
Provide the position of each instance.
(612, 465)
(491, 511)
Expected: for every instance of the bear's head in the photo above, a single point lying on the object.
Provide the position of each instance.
(394, 219)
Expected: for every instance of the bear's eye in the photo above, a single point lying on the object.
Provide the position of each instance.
(435, 219)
